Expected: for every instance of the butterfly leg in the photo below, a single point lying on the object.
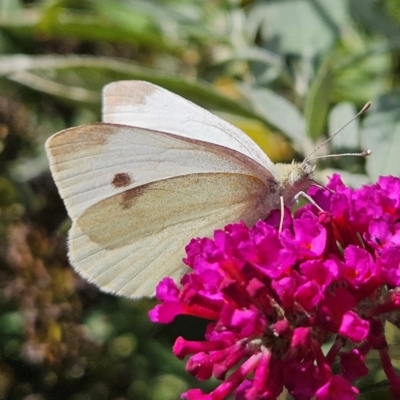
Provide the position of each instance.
(282, 214)
(310, 199)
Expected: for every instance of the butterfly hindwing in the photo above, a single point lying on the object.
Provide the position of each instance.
(129, 242)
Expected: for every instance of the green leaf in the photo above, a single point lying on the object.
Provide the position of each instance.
(300, 26)
(8, 8)
(339, 116)
(90, 27)
(277, 111)
(379, 390)
(373, 18)
(317, 102)
(380, 132)
(81, 79)
(364, 74)
(11, 323)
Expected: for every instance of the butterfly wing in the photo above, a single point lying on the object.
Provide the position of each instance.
(137, 196)
(143, 104)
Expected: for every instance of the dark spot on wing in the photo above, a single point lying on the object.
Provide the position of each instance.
(129, 196)
(122, 179)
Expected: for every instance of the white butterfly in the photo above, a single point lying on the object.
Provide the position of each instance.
(159, 171)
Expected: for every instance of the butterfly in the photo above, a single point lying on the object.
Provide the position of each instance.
(158, 171)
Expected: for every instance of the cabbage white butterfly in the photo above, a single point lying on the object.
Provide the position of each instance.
(158, 171)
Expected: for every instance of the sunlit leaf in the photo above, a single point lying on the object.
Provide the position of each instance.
(272, 143)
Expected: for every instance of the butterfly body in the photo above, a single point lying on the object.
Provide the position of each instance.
(159, 171)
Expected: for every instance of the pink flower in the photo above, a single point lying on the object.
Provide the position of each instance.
(274, 298)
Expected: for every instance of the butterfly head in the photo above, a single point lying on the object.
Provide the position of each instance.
(294, 178)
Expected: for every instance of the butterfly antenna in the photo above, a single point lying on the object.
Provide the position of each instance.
(362, 154)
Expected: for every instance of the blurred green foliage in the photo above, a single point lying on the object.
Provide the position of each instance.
(288, 72)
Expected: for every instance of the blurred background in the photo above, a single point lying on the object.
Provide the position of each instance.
(287, 72)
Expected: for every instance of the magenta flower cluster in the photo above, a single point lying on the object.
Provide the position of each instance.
(274, 298)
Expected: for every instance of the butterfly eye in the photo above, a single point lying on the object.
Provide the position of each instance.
(298, 174)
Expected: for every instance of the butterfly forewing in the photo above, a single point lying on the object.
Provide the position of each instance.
(145, 105)
(93, 162)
